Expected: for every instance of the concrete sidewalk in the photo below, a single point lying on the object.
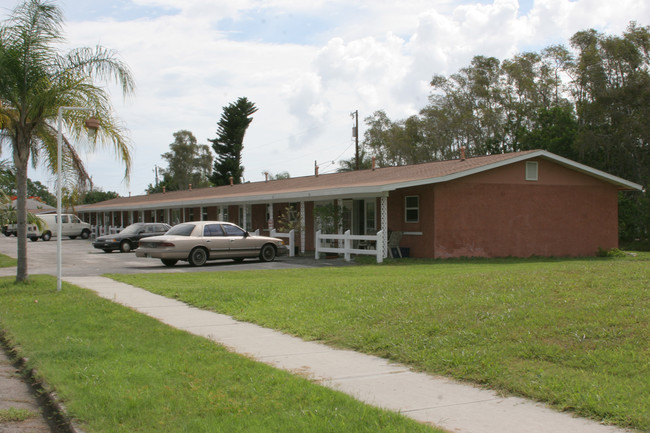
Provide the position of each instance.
(453, 406)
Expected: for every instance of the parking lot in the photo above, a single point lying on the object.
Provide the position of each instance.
(79, 258)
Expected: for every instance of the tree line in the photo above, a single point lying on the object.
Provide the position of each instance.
(191, 165)
(589, 102)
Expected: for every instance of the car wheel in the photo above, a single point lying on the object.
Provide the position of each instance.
(125, 246)
(33, 239)
(169, 262)
(72, 237)
(107, 250)
(267, 254)
(46, 236)
(85, 234)
(198, 257)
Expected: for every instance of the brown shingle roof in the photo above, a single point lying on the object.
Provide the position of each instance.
(362, 181)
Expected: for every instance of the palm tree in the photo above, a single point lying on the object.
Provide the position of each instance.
(35, 80)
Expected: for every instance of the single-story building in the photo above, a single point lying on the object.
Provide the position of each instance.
(516, 204)
(34, 205)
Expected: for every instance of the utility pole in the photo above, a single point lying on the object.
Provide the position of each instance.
(355, 134)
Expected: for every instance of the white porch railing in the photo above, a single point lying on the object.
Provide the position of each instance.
(292, 240)
(347, 249)
(102, 230)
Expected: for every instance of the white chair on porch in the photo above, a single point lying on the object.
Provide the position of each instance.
(393, 242)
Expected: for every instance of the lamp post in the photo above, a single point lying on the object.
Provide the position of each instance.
(92, 124)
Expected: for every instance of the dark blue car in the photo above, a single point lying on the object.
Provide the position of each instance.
(128, 238)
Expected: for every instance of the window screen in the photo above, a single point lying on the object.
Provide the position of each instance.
(412, 208)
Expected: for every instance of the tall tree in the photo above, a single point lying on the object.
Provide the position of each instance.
(35, 80)
(34, 188)
(611, 87)
(590, 103)
(98, 195)
(228, 145)
(188, 163)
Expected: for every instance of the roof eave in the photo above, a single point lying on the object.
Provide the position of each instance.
(620, 182)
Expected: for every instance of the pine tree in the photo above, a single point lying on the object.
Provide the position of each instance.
(228, 145)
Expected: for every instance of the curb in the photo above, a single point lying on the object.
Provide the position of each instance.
(45, 394)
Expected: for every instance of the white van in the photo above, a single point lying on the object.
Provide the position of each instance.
(71, 226)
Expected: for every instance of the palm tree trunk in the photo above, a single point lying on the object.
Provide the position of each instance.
(21, 158)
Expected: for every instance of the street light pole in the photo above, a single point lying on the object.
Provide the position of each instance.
(59, 145)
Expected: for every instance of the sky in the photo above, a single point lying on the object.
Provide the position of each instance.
(307, 65)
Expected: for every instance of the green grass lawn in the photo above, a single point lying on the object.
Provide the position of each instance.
(121, 371)
(7, 262)
(573, 333)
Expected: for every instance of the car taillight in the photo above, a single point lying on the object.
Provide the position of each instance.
(167, 244)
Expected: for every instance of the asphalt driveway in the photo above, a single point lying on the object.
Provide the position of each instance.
(80, 258)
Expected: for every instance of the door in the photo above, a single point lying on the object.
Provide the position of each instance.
(215, 241)
(241, 245)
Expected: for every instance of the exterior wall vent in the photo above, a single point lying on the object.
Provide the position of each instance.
(531, 170)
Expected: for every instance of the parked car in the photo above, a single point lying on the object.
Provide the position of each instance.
(200, 241)
(127, 239)
(71, 226)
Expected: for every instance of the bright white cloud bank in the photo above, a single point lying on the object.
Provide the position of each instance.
(306, 65)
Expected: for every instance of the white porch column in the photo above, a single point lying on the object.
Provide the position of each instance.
(302, 227)
(384, 223)
(121, 218)
(270, 211)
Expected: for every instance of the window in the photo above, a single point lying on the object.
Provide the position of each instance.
(181, 230)
(293, 212)
(371, 226)
(531, 170)
(176, 216)
(204, 214)
(412, 208)
(233, 230)
(245, 216)
(212, 230)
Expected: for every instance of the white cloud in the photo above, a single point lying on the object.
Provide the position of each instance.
(333, 58)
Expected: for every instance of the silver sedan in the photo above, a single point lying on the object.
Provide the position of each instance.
(200, 241)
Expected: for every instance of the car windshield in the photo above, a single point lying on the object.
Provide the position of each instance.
(132, 229)
(181, 230)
